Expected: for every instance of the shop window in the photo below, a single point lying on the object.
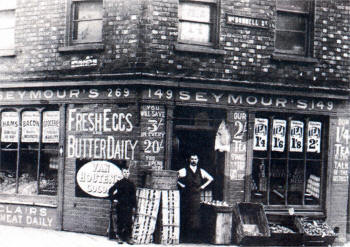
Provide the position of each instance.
(198, 22)
(7, 28)
(289, 163)
(29, 152)
(293, 33)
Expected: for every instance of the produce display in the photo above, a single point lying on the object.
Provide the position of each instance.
(316, 228)
(275, 228)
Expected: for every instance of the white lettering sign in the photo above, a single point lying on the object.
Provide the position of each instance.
(9, 126)
(314, 137)
(296, 136)
(30, 126)
(279, 135)
(260, 134)
(51, 127)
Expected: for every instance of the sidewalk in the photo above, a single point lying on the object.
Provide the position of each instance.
(12, 236)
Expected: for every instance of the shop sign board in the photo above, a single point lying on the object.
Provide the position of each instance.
(279, 135)
(260, 134)
(51, 127)
(314, 137)
(101, 131)
(296, 136)
(30, 126)
(341, 151)
(32, 216)
(238, 157)
(97, 177)
(9, 126)
(153, 134)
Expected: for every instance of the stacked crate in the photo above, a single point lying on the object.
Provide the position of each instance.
(168, 225)
(146, 217)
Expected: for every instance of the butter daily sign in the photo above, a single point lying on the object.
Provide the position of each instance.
(96, 177)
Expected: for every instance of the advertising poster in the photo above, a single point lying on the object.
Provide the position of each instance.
(9, 127)
(279, 135)
(296, 136)
(260, 134)
(51, 127)
(314, 137)
(30, 126)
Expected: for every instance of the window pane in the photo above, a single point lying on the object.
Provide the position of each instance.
(290, 41)
(88, 10)
(313, 183)
(28, 170)
(278, 177)
(7, 39)
(297, 5)
(287, 21)
(259, 181)
(194, 12)
(8, 169)
(48, 171)
(88, 31)
(7, 19)
(194, 32)
(295, 182)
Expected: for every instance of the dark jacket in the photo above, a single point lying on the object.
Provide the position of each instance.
(125, 193)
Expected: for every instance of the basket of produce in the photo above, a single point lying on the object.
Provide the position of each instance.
(316, 232)
(283, 231)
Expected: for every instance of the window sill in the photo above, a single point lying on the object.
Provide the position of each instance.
(82, 47)
(293, 58)
(199, 49)
(8, 53)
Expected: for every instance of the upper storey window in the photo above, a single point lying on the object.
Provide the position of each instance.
(86, 22)
(294, 27)
(7, 27)
(198, 22)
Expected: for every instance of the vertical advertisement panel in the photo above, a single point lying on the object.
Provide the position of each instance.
(279, 135)
(296, 136)
(51, 127)
(314, 137)
(30, 126)
(9, 126)
(260, 134)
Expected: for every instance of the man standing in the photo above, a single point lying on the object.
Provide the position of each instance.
(124, 192)
(192, 180)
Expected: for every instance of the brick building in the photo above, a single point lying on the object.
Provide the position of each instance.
(141, 80)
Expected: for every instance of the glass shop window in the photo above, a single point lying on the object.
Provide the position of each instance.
(289, 162)
(29, 151)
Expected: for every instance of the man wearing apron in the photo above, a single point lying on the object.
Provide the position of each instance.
(192, 180)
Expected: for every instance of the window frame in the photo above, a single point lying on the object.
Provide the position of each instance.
(309, 29)
(214, 6)
(11, 7)
(39, 149)
(325, 120)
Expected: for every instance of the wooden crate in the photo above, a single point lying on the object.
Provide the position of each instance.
(146, 216)
(249, 223)
(161, 179)
(168, 224)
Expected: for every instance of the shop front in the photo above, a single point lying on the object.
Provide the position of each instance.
(63, 147)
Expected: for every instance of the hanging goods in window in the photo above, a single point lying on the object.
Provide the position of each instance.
(223, 138)
(260, 134)
(279, 135)
(9, 126)
(314, 137)
(296, 136)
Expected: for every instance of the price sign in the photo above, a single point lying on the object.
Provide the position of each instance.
(30, 126)
(314, 137)
(296, 136)
(260, 134)
(279, 135)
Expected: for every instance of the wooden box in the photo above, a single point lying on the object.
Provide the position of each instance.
(216, 224)
(249, 223)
